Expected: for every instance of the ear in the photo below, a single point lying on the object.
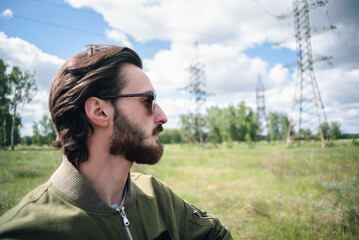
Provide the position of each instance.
(98, 112)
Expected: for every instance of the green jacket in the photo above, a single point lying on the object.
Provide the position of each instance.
(68, 207)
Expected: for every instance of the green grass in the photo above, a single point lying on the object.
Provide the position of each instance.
(24, 169)
(264, 192)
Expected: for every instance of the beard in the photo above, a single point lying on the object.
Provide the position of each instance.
(128, 140)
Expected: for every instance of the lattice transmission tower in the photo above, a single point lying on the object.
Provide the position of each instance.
(308, 108)
(197, 90)
(261, 108)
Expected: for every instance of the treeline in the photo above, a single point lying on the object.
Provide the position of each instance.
(43, 133)
(220, 125)
(16, 87)
(234, 123)
(239, 123)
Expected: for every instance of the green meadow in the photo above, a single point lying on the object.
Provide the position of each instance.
(262, 192)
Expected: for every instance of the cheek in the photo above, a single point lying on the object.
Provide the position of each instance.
(140, 116)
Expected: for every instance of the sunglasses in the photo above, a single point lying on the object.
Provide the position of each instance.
(151, 98)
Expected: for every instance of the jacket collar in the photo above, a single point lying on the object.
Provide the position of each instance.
(68, 180)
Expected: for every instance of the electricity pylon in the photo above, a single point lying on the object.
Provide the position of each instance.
(307, 103)
(197, 89)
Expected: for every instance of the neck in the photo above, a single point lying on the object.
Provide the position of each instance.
(107, 173)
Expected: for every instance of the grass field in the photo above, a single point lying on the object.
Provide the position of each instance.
(265, 192)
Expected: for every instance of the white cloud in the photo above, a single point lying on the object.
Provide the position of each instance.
(189, 21)
(118, 36)
(279, 75)
(226, 70)
(7, 13)
(17, 52)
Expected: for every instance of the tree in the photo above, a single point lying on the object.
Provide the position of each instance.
(4, 101)
(170, 136)
(335, 131)
(251, 126)
(48, 129)
(188, 129)
(278, 124)
(306, 132)
(331, 131)
(36, 137)
(241, 121)
(5, 134)
(284, 121)
(22, 89)
(274, 126)
(43, 131)
(326, 130)
(234, 123)
(227, 125)
(214, 123)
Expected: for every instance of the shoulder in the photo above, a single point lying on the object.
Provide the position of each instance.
(28, 200)
(150, 185)
(30, 214)
(192, 223)
(44, 213)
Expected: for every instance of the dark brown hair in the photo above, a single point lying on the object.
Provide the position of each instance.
(92, 73)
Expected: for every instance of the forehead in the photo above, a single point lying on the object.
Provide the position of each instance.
(136, 80)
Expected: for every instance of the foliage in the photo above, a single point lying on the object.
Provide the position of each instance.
(4, 102)
(335, 131)
(349, 136)
(326, 130)
(6, 117)
(305, 132)
(278, 124)
(189, 132)
(170, 136)
(355, 142)
(332, 131)
(43, 133)
(234, 123)
(17, 87)
(230, 124)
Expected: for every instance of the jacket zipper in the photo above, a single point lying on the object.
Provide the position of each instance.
(121, 210)
(195, 212)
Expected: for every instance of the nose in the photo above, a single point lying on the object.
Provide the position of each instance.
(160, 116)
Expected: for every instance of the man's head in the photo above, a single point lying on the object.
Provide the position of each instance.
(137, 119)
(84, 79)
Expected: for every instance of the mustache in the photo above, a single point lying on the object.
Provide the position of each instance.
(157, 130)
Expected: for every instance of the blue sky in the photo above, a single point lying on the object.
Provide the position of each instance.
(67, 29)
(238, 41)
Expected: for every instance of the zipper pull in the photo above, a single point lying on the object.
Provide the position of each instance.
(121, 210)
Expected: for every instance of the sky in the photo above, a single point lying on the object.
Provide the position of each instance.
(237, 41)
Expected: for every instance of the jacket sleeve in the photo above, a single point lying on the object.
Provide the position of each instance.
(200, 225)
(188, 221)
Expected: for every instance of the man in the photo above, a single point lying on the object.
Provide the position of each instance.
(103, 107)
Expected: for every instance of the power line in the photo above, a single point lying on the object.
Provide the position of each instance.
(64, 6)
(57, 25)
(337, 33)
(269, 13)
(341, 74)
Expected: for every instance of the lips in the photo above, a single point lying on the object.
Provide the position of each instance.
(157, 130)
